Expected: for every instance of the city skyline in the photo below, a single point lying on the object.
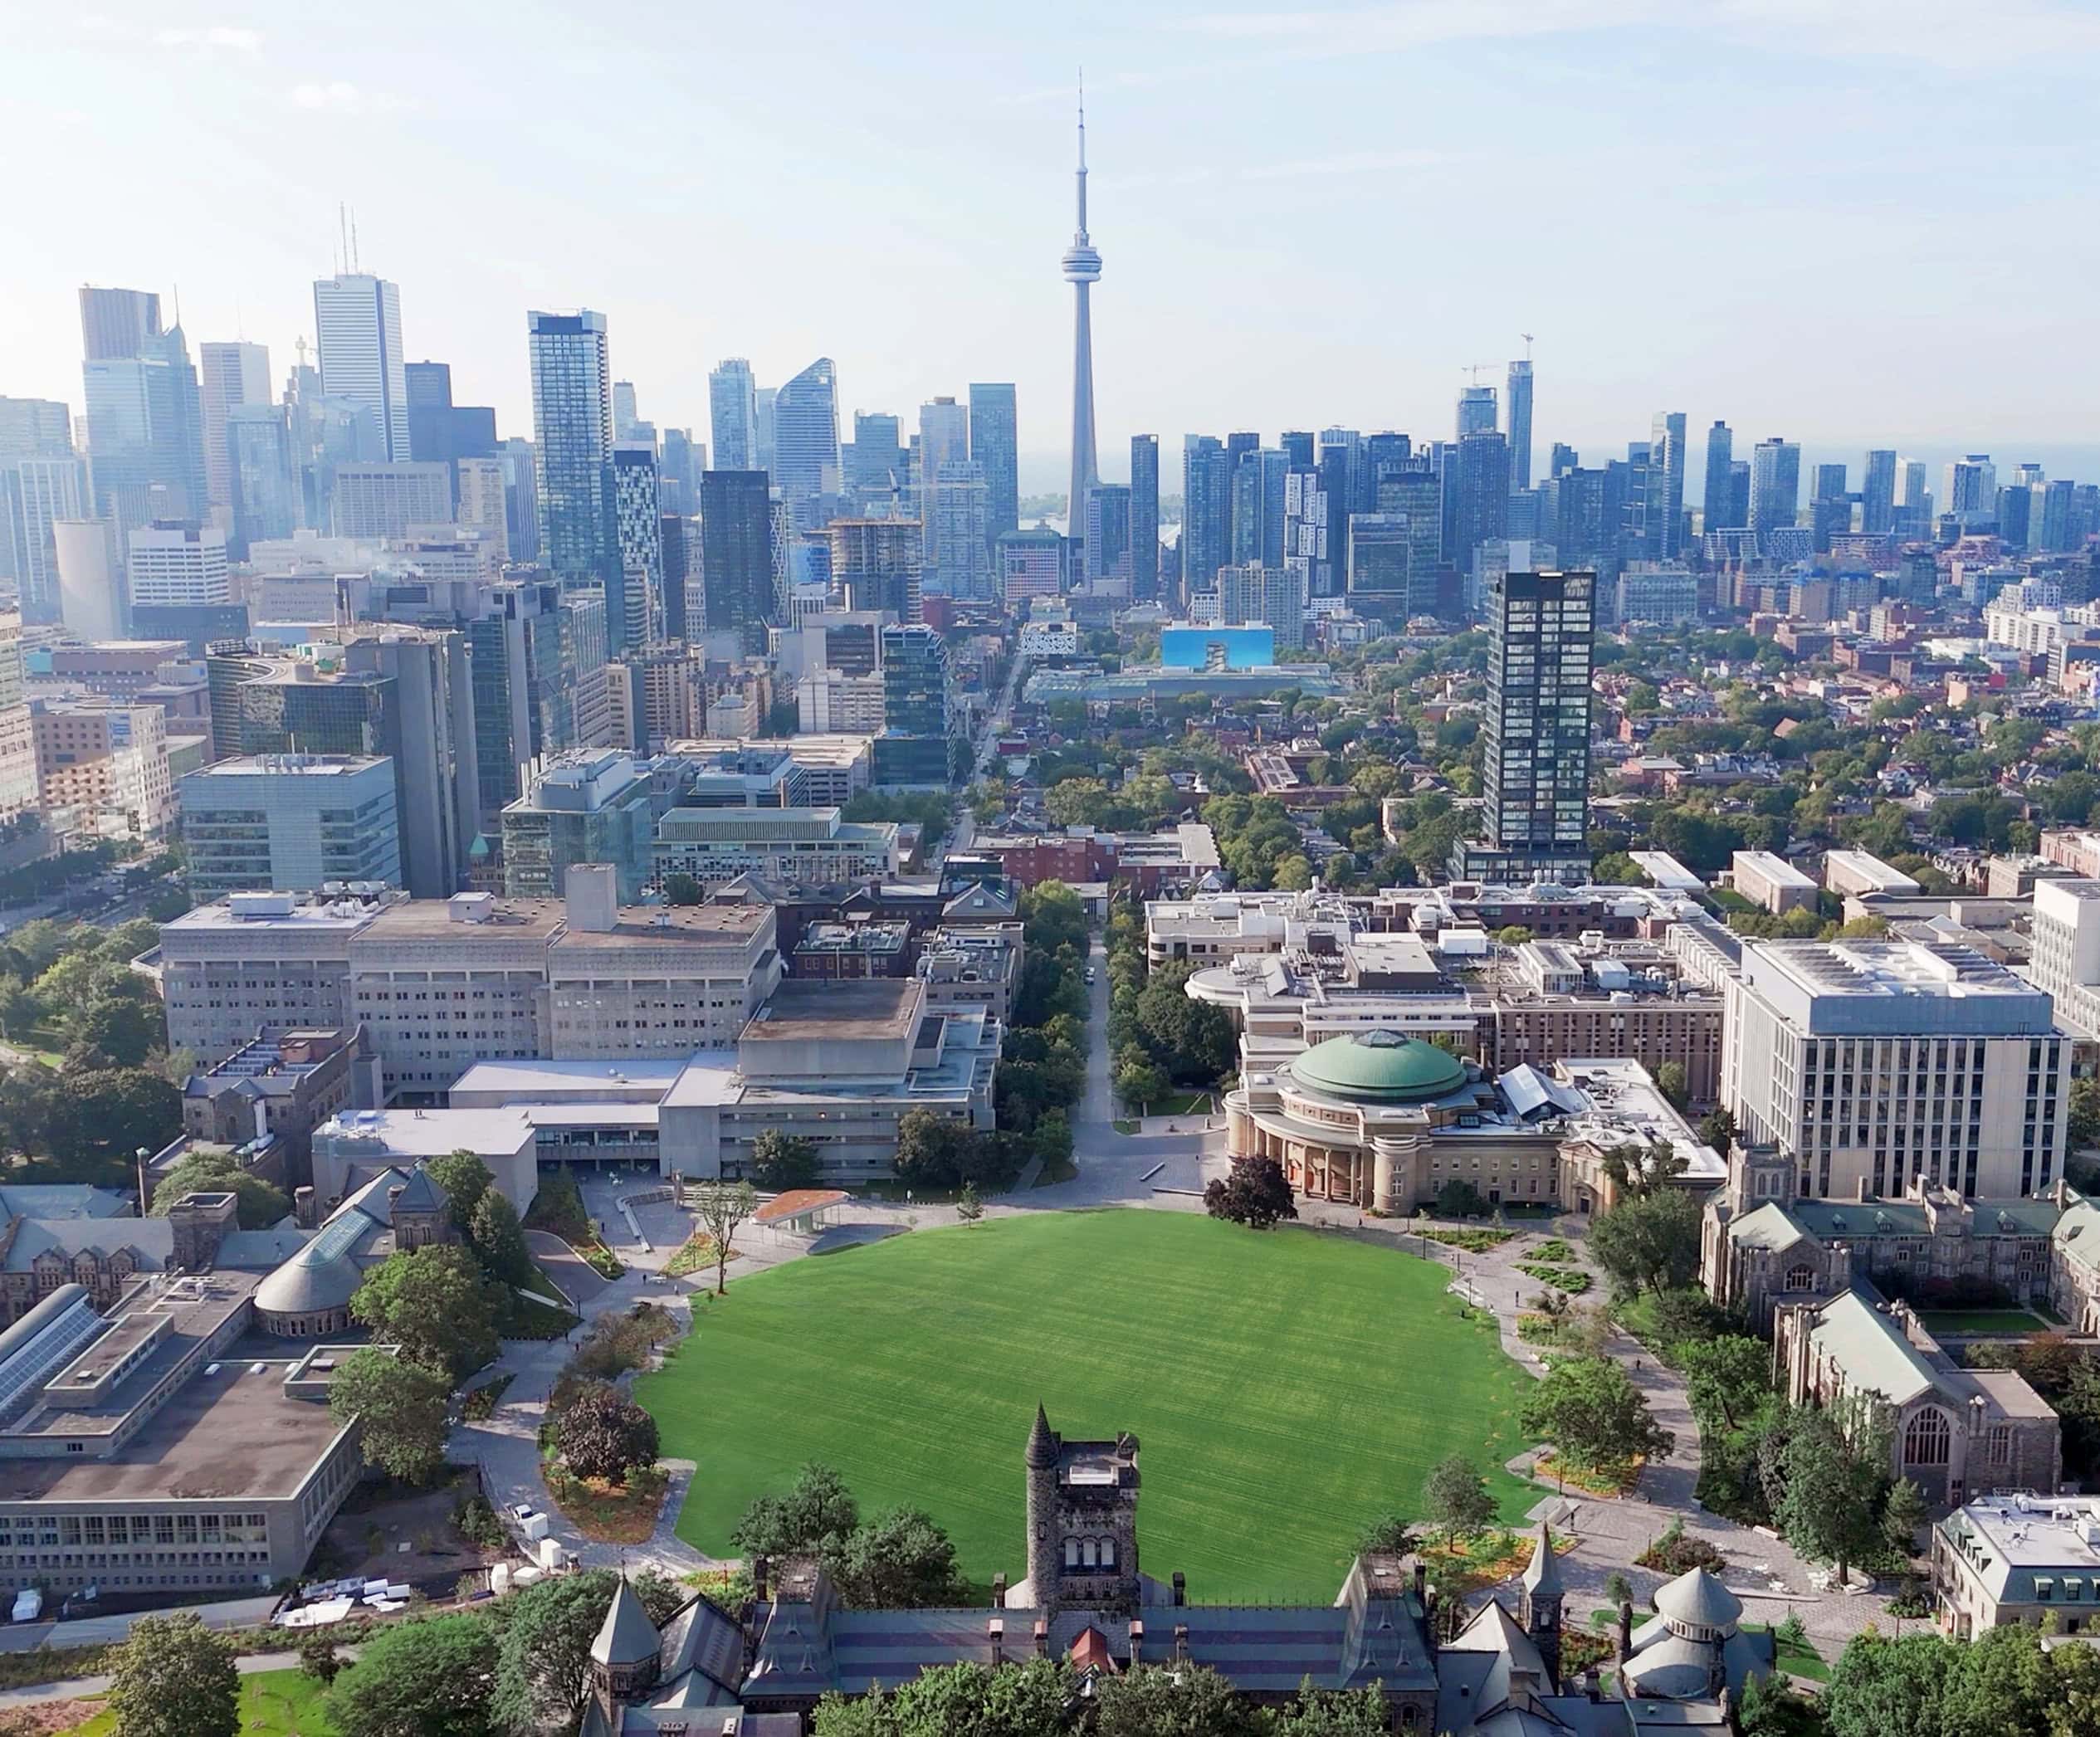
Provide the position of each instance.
(1840, 329)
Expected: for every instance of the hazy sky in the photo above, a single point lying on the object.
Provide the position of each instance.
(1844, 221)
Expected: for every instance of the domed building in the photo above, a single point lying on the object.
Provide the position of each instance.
(1384, 1119)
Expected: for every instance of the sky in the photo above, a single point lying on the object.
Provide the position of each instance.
(1850, 222)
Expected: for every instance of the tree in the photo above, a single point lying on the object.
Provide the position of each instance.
(968, 1208)
(1512, 934)
(1388, 1536)
(683, 890)
(1649, 1243)
(1256, 1194)
(1457, 1199)
(464, 1178)
(1180, 1700)
(117, 1031)
(1902, 1515)
(400, 1406)
(259, 1205)
(1335, 1713)
(544, 1643)
(1831, 1468)
(1771, 1709)
(1454, 1497)
(782, 1161)
(604, 1434)
(814, 1518)
(317, 1656)
(1674, 1081)
(1293, 874)
(1590, 1410)
(103, 1116)
(427, 1679)
(499, 1239)
(930, 1151)
(435, 1304)
(1029, 1699)
(898, 1561)
(2084, 1122)
(1717, 1129)
(722, 1207)
(1726, 1378)
(174, 1677)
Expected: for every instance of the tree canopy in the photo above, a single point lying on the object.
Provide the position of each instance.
(434, 1303)
(174, 1677)
(400, 1405)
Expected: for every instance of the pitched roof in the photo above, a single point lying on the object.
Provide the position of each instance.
(627, 1636)
(1696, 1597)
(1871, 1349)
(1772, 1226)
(1542, 1573)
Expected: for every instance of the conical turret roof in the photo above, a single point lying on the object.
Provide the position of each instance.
(1542, 1578)
(1043, 1442)
(627, 1636)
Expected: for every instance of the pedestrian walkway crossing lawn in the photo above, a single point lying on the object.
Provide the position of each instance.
(1286, 1387)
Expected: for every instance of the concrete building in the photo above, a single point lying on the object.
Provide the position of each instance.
(591, 808)
(1860, 871)
(290, 823)
(1772, 882)
(1873, 1062)
(2065, 957)
(174, 561)
(102, 767)
(972, 968)
(390, 500)
(716, 845)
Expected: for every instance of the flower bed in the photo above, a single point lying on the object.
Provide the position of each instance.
(1573, 1280)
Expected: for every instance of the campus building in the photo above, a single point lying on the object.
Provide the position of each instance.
(716, 844)
(290, 823)
(2018, 1556)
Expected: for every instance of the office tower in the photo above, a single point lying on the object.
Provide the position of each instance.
(1536, 766)
(514, 661)
(229, 376)
(956, 515)
(429, 718)
(90, 579)
(732, 417)
(1275, 595)
(1306, 538)
(944, 440)
(117, 325)
(264, 497)
(1854, 1059)
(877, 564)
(520, 497)
(356, 322)
(1878, 492)
(1105, 530)
(35, 428)
(638, 528)
(1376, 565)
(2056, 534)
(1336, 468)
(1721, 452)
(805, 443)
(1775, 484)
(1082, 267)
(1564, 457)
(1144, 517)
(144, 416)
(626, 420)
(1579, 521)
(764, 398)
(681, 460)
(2016, 516)
(1296, 444)
(173, 561)
(1666, 484)
(1482, 497)
(440, 431)
(877, 477)
(1520, 427)
(1739, 494)
(42, 484)
(678, 537)
(1829, 506)
(1206, 512)
(1416, 495)
(289, 823)
(572, 425)
(1627, 509)
(994, 442)
(1258, 508)
(1971, 492)
(1476, 410)
(482, 503)
(914, 748)
(736, 554)
(1384, 455)
(388, 500)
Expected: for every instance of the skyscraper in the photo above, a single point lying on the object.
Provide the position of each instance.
(42, 484)
(961, 566)
(1306, 539)
(876, 477)
(1536, 768)
(145, 418)
(1258, 508)
(1971, 491)
(1775, 484)
(228, 376)
(1829, 506)
(1081, 267)
(1206, 512)
(1519, 426)
(994, 443)
(943, 441)
(1476, 410)
(805, 443)
(736, 553)
(638, 526)
(680, 463)
(1721, 453)
(1665, 486)
(1105, 530)
(1482, 510)
(572, 420)
(627, 419)
(1878, 492)
(115, 324)
(732, 417)
(357, 319)
(265, 502)
(1144, 517)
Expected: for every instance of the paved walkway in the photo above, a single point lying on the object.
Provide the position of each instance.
(78, 1688)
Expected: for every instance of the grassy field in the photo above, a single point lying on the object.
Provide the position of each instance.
(1286, 1387)
(1981, 1321)
(273, 1704)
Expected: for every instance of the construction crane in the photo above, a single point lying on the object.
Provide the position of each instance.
(1477, 368)
(1526, 336)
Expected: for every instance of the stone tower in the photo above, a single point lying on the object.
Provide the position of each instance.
(1082, 1521)
(196, 1223)
(1540, 1607)
(1043, 1501)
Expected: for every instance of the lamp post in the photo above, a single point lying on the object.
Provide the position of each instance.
(142, 1156)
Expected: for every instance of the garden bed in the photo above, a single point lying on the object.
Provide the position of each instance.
(610, 1513)
(1675, 1551)
(1590, 1479)
(480, 1405)
(696, 1254)
(1473, 1241)
(1573, 1280)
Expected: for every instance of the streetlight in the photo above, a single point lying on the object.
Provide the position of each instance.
(140, 1159)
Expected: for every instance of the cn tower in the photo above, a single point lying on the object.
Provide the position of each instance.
(1082, 268)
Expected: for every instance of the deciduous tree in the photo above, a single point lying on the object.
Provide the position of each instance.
(427, 1679)
(258, 1204)
(174, 1677)
(401, 1408)
(1256, 1194)
(1031, 1699)
(722, 1207)
(1180, 1700)
(1649, 1242)
(465, 1178)
(1832, 1466)
(1455, 1498)
(1590, 1410)
(499, 1239)
(434, 1303)
(898, 1560)
(544, 1643)
(780, 1161)
(1727, 1377)
(605, 1436)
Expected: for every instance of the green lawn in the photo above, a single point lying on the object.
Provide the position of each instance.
(1286, 1387)
(1981, 1321)
(273, 1704)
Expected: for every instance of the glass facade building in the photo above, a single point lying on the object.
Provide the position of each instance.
(572, 417)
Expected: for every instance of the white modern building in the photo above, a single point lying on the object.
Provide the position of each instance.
(179, 562)
(357, 317)
(290, 823)
(388, 500)
(716, 845)
(1871, 1063)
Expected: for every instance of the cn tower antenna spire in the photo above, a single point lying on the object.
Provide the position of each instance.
(1081, 267)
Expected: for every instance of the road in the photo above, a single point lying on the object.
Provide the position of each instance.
(78, 1688)
(959, 838)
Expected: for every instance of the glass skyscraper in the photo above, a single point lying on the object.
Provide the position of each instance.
(1144, 517)
(1206, 512)
(732, 417)
(805, 443)
(572, 418)
(357, 319)
(736, 553)
(994, 436)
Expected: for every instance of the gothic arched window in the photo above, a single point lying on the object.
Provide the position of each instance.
(1926, 1439)
(1800, 1277)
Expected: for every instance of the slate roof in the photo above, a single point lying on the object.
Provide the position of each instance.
(62, 1200)
(151, 1239)
(1871, 1349)
(1770, 1227)
(627, 1636)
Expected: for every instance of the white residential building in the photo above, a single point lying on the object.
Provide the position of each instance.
(177, 561)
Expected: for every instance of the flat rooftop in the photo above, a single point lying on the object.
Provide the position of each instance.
(294, 765)
(347, 916)
(220, 1437)
(432, 919)
(527, 1081)
(658, 925)
(1881, 970)
(433, 1133)
(857, 1010)
(2034, 1531)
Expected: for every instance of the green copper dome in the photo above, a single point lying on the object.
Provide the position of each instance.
(1385, 1068)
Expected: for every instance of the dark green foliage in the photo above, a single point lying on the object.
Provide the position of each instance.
(1160, 1700)
(261, 1205)
(1590, 1410)
(781, 1161)
(174, 1677)
(465, 1178)
(1457, 1199)
(1649, 1243)
(897, 1559)
(435, 1304)
(1256, 1194)
(605, 1436)
(543, 1636)
(499, 1240)
(1455, 1498)
(1031, 1699)
(427, 1679)
(401, 1407)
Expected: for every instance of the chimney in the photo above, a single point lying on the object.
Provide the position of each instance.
(1625, 1630)
(1421, 1579)
(998, 1590)
(302, 1205)
(1863, 1194)
(759, 1565)
(995, 1631)
(1180, 1587)
(1041, 1638)
(394, 1194)
(1137, 1642)
(1181, 1643)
